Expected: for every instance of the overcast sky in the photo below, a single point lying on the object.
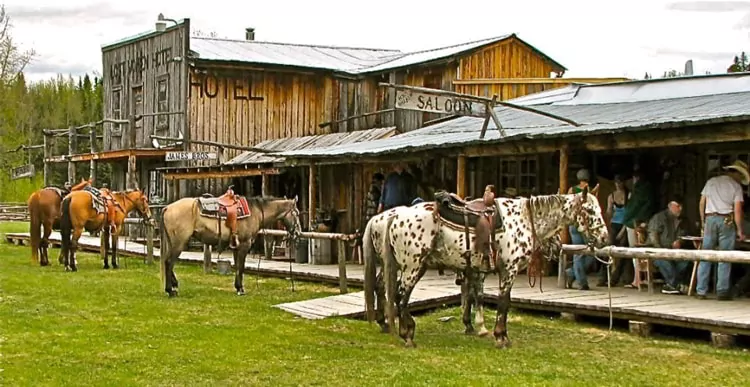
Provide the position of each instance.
(591, 38)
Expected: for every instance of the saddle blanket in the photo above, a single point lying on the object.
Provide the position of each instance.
(210, 207)
(59, 191)
(97, 199)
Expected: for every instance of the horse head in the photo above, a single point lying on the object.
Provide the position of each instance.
(140, 203)
(289, 214)
(588, 217)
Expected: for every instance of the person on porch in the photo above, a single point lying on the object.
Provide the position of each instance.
(373, 196)
(721, 218)
(639, 208)
(399, 189)
(581, 262)
(616, 202)
(664, 231)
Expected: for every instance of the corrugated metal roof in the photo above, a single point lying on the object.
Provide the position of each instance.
(345, 59)
(308, 142)
(650, 110)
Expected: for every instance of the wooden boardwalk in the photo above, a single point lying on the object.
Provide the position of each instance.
(730, 317)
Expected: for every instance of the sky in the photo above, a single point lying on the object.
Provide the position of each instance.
(590, 38)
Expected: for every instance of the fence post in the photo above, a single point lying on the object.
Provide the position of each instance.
(206, 258)
(72, 140)
(342, 266)
(149, 244)
(92, 163)
(47, 154)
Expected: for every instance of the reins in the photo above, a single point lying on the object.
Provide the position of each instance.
(535, 262)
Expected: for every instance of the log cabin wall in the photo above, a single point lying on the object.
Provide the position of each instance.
(506, 59)
(144, 76)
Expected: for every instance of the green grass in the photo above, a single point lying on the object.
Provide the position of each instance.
(118, 328)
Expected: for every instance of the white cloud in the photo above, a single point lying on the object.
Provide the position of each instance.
(592, 39)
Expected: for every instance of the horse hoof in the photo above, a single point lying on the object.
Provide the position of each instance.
(106, 267)
(241, 292)
(410, 344)
(74, 269)
(502, 344)
(115, 267)
(469, 331)
(172, 293)
(483, 332)
(385, 329)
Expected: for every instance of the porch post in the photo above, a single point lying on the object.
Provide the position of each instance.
(564, 153)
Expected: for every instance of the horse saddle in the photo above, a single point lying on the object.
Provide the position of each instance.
(459, 212)
(228, 207)
(103, 202)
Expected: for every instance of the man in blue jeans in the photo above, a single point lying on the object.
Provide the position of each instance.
(664, 231)
(721, 216)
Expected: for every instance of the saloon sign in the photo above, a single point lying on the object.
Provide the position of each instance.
(435, 103)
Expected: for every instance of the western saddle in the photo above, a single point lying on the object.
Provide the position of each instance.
(479, 214)
(105, 203)
(229, 205)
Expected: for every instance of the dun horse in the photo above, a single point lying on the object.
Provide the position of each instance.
(226, 220)
(95, 210)
(407, 239)
(44, 213)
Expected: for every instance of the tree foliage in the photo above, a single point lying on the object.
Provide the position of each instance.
(740, 64)
(26, 109)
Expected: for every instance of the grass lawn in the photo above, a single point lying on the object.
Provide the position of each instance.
(118, 328)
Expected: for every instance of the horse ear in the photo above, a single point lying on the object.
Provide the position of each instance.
(595, 191)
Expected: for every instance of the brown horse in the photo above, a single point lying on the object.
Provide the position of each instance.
(183, 219)
(79, 212)
(44, 212)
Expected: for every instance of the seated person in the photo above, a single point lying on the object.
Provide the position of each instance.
(664, 231)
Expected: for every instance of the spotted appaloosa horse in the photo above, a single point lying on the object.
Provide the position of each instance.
(408, 239)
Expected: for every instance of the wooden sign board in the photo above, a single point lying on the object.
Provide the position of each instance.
(437, 103)
(190, 156)
(22, 171)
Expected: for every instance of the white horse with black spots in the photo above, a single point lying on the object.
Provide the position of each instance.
(408, 239)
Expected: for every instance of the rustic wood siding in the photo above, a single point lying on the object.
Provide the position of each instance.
(138, 67)
(505, 59)
(247, 107)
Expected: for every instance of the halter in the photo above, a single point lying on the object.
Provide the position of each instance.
(125, 195)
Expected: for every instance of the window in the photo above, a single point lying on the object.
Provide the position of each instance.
(136, 104)
(117, 110)
(155, 187)
(162, 102)
(520, 174)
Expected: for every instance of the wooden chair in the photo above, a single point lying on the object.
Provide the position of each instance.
(643, 265)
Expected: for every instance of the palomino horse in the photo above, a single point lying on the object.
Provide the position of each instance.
(44, 212)
(407, 239)
(186, 218)
(97, 211)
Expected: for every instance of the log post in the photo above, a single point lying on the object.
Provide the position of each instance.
(265, 184)
(132, 132)
(565, 238)
(461, 177)
(72, 140)
(47, 154)
(342, 266)
(311, 190)
(131, 177)
(149, 244)
(92, 145)
(206, 258)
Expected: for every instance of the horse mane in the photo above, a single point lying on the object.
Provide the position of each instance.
(548, 202)
(260, 201)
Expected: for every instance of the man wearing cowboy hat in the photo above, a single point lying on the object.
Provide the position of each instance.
(721, 217)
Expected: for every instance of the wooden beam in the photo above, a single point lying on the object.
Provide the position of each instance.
(334, 236)
(47, 155)
(378, 112)
(519, 81)
(189, 175)
(563, 189)
(111, 155)
(461, 177)
(311, 191)
(72, 141)
(729, 256)
(131, 178)
(214, 143)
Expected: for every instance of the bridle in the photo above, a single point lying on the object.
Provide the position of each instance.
(144, 215)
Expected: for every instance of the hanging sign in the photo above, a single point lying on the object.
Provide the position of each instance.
(22, 171)
(439, 103)
(190, 156)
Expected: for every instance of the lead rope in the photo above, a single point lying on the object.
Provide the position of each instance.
(534, 267)
(608, 262)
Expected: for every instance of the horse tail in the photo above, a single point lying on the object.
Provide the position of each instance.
(35, 225)
(164, 249)
(66, 226)
(389, 275)
(368, 254)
